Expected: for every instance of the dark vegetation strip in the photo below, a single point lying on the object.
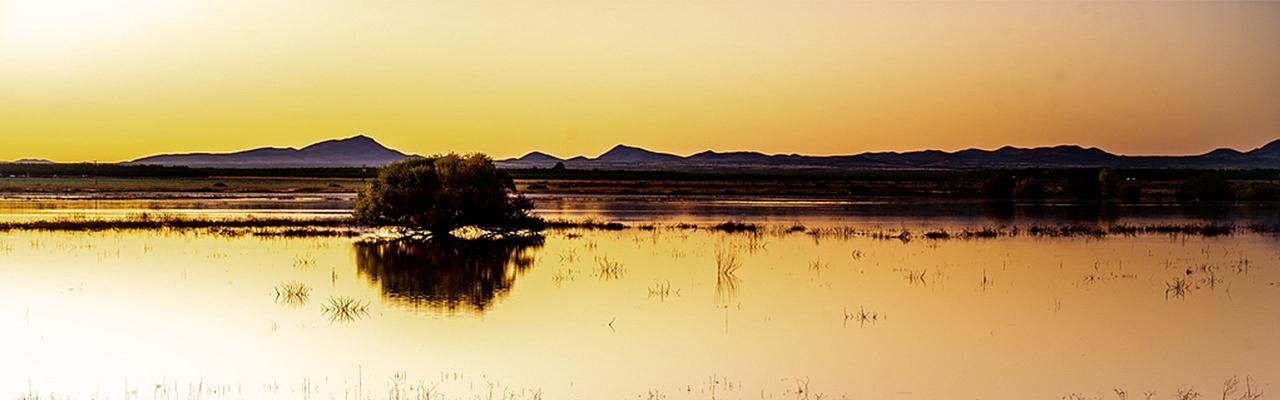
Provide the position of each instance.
(1051, 231)
(145, 223)
(344, 227)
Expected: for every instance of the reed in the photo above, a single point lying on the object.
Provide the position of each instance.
(607, 269)
(345, 309)
(293, 294)
(1178, 287)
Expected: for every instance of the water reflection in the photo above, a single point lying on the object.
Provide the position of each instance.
(449, 277)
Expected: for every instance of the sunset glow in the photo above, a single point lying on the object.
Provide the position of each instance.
(88, 80)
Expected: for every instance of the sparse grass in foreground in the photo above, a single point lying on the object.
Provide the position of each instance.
(726, 276)
(344, 227)
(293, 294)
(607, 269)
(345, 309)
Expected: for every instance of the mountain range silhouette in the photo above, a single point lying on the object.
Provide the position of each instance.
(364, 151)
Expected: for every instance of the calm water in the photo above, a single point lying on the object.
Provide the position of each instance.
(635, 314)
(928, 213)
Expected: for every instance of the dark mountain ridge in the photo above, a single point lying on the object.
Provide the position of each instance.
(623, 157)
(363, 151)
(356, 151)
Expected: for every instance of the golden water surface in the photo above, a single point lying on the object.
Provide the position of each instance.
(662, 314)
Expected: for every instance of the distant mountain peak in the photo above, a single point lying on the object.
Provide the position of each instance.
(351, 142)
(538, 156)
(625, 153)
(33, 161)
(355, 151)
(1269, 149)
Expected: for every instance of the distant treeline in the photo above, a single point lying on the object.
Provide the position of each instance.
(121, 170)
(1025, 184)
(1132, 185)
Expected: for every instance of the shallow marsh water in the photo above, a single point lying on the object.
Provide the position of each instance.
(664, 313)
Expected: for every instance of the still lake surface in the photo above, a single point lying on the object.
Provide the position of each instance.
(640, 314)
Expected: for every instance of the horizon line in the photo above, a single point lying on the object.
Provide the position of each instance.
(621, 144)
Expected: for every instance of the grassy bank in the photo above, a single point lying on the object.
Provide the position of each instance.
(1031, 184)
(344, 227)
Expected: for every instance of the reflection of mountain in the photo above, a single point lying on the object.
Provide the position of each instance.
(449, 277)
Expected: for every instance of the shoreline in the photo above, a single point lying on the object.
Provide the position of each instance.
(344, 227)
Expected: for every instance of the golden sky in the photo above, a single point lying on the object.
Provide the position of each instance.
(85, 80)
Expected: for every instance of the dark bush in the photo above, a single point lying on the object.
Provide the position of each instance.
(1083, 187)
(1109, 182)
(858, 190)
(1029, 188)
(1205, 188)
(440, 194)
(1258, 191)
(998, 186)
(1130, 192)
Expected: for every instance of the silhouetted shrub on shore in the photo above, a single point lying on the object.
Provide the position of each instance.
(1205, 187)
(441, 194)
(1109, 182)
(1082, 186)
(1258, 191)
(736, 227)
(1130, 192)
(998, 186)
(1029, 188)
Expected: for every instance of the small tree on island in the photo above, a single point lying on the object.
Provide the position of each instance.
(440, 194)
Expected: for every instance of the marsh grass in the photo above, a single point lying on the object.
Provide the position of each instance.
(293, 294)
(727, 280)
(305, 261)
(862, 317)
(562, 276)
(986, 281)
(1231, 390)
(845, 232)
(662, 291)
(151, 222)
(345, 227)
(607, 269)
(340, 309)
(587, 224)
(817, 266)
(1178, 287)
(916, 277)
(737, 227)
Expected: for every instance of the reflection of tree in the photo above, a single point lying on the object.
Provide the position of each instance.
(449, 277)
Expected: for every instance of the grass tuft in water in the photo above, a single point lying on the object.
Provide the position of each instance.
(345, 309)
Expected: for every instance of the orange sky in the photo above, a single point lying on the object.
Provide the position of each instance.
(93, 80)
